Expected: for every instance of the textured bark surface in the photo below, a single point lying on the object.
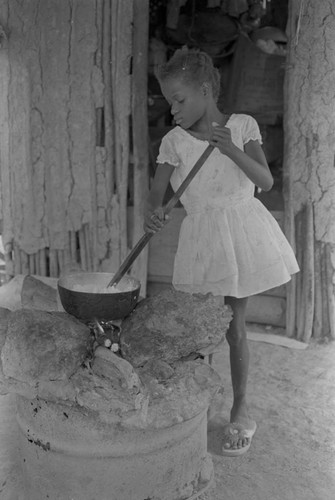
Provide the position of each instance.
(65, 115)
(50, 54)
(310, 112)
(140, 133)
(309, 174)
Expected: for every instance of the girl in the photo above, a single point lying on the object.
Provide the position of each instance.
(229, 244)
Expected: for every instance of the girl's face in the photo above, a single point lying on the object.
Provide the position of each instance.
(188, 103)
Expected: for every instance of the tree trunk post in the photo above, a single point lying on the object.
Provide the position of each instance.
(309, 159)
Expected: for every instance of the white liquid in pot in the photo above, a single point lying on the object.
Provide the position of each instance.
(100, 288)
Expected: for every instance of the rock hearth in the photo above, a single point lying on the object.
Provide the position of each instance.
(95, 424)
(156, 381)
(173, 325)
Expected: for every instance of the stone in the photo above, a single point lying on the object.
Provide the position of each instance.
(53, 357)
(159, 369)
(30, 292)
(117, 370)
(10, 293)
(188, 390)
(43, 345)
(172, 325)
(105, 397)
(38, 295)
(206, 472)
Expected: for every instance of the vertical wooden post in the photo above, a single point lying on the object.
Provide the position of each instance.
(308, 274)
(5, 161)
(108, 104)
(122, 26)
(330, 289)
(309, 175)
(140, 131)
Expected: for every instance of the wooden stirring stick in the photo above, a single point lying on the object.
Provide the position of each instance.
(167, 209)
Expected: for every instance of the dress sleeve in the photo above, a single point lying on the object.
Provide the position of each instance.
(167, 152)
(251, 130)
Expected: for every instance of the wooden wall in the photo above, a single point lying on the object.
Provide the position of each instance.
(73, 133)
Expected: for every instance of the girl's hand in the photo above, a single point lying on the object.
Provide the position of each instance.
(155, 220)
(251, 160)
(221, 139)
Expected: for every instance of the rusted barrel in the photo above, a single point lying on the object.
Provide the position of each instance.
(69, 454)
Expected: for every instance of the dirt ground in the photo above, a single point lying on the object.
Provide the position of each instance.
(292, 456)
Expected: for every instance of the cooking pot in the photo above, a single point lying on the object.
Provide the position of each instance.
(90, 305)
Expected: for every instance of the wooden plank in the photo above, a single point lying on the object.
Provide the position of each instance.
(121, 32)
(103, 174)
(51, 65)
(24, 262)
(279, 216)
(104, 215)
(317, 320)
(329, 251)
(98, 103)
(107, 58)
(140, 132)
(153, 288)
(278, 291)
(266, 310)
(111, 262)
(23, 203)
(43, 262)
(308, 273)
(299, 318)
(5, 193)
(83, 250)
(17, 259)
(274, 339)
(81, 119)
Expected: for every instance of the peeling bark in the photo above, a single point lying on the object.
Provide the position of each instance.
(140, 133)
(309, 174)
(65, 114)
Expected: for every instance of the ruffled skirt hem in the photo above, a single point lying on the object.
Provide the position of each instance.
(236, 286)
(238, 252)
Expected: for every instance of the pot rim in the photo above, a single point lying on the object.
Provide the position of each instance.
(96, 278)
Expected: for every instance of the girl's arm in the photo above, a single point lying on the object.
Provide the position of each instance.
(258, 172)
(252, 160)
(154, 218)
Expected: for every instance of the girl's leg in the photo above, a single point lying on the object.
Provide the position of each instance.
(239, 363)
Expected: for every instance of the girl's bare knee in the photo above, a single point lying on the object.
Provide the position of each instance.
(235, 335)
(237, 332)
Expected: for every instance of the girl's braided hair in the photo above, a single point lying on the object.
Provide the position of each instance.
(192, 66)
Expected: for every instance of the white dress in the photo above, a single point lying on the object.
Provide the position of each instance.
(229, 243)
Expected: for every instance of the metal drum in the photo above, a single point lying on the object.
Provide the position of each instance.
(67, 453)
